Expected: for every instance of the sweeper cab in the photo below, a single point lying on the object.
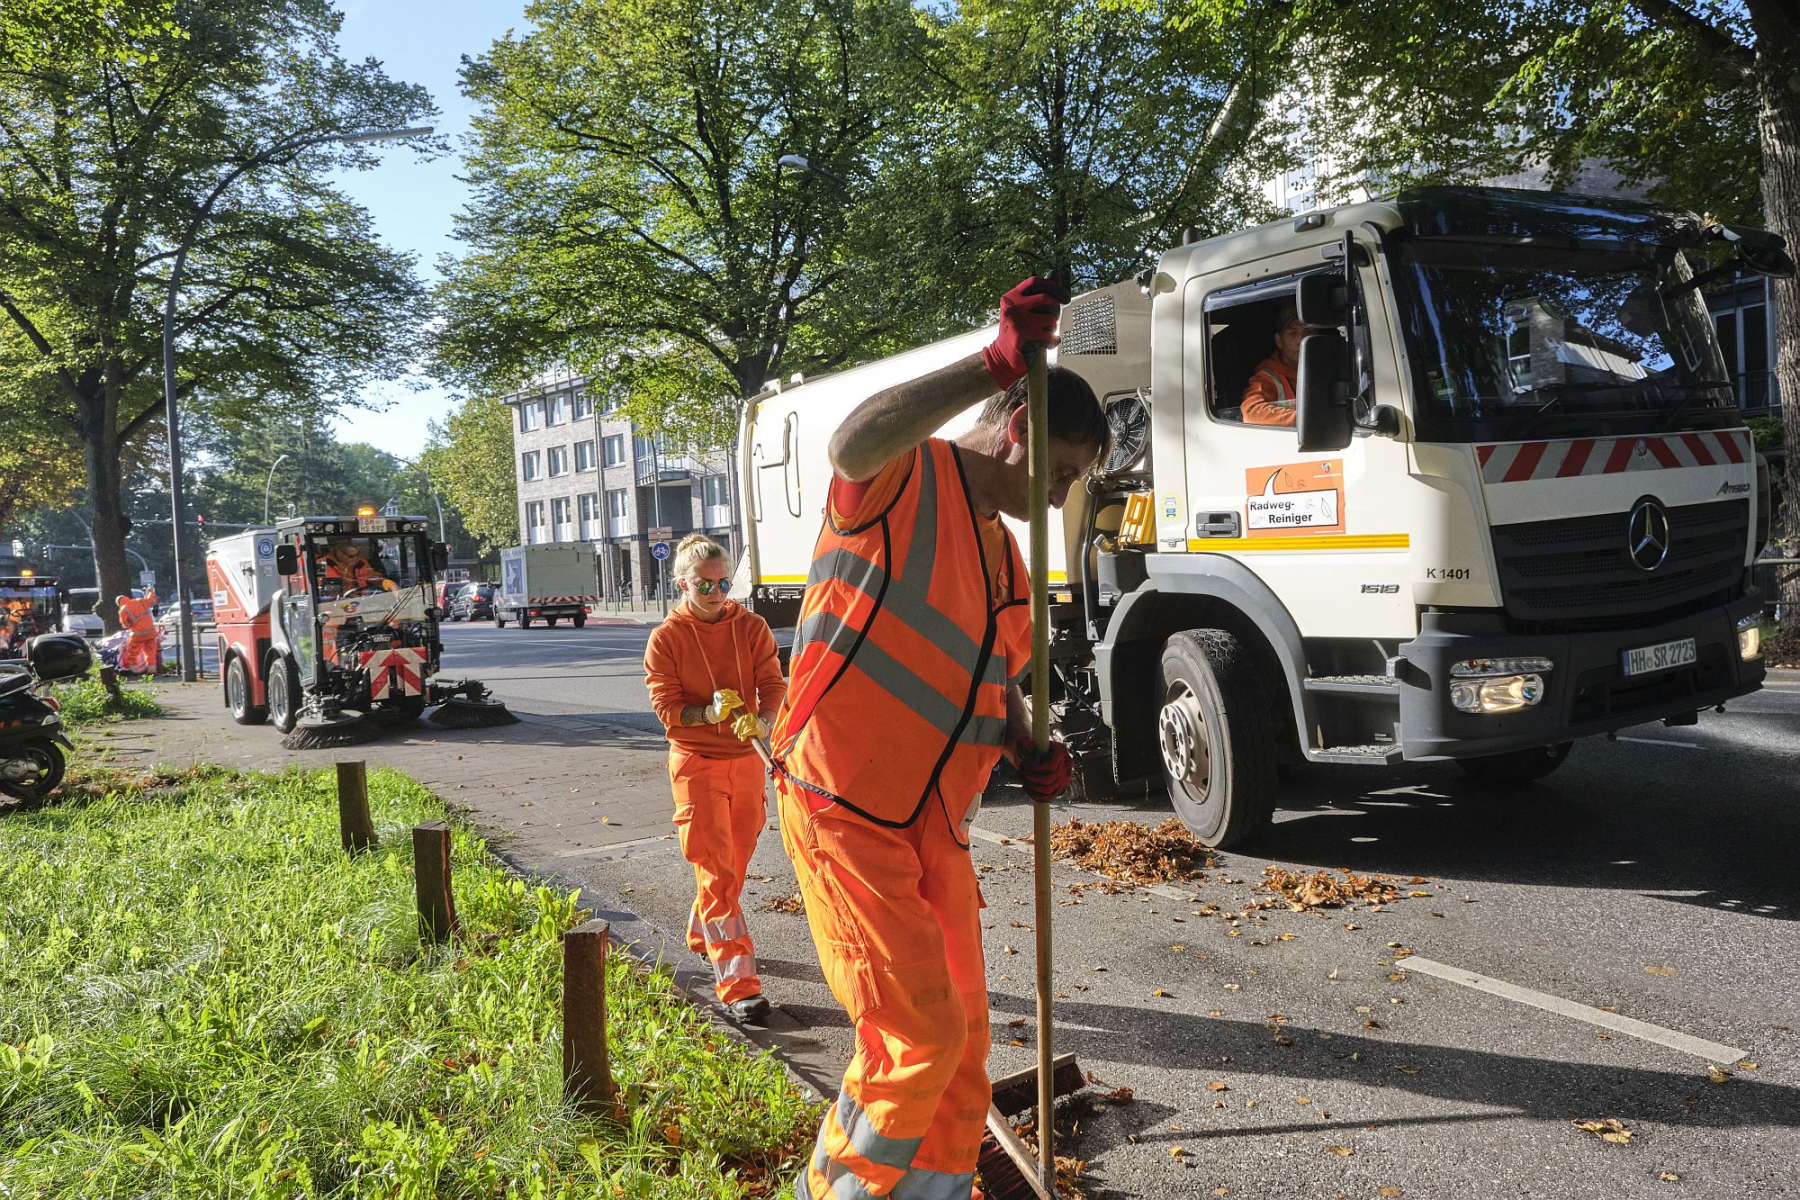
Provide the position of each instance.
(326, 628)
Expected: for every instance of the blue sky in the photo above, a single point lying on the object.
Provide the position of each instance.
(412, 202)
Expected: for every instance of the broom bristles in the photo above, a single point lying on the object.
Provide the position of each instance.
(453, 714)
(324, 737)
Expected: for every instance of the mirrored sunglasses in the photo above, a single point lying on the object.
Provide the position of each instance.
(705, 586)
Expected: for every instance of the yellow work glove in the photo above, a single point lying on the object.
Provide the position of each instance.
(748, 726)
(724, 703)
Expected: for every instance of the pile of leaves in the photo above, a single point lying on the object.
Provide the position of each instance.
(1782, 651)
(1131, 852)
(1322, 890)
(785, 904)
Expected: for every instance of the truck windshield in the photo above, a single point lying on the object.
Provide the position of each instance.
(346, 565)
(25, 600)
(1512, 341)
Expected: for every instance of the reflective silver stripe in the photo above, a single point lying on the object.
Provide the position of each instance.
(742, 966)
(694, 923)
(1282, 396)
(1019, 679)
(918, 1184)
(843, 1184)
(985, 731)
(716, 932)
(870, 1142)
(896, 679)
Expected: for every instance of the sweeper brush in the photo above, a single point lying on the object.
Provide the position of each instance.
(1007, 1168)
(345, 727)
(472, 706)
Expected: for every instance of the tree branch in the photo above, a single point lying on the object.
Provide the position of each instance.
(1726, 50)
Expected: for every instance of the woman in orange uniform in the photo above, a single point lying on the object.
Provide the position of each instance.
(715, 682)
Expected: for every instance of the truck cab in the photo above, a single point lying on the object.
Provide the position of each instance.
(1517, 505)
(30, 603)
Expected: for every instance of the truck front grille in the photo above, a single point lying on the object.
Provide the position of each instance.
(1578, 569)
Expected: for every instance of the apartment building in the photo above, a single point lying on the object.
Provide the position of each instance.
(585, 473)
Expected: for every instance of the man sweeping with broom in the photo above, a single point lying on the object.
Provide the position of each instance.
(914, 633)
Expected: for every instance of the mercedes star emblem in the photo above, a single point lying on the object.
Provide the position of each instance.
(1647, 535)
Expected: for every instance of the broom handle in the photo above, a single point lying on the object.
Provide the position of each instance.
(1037, 382)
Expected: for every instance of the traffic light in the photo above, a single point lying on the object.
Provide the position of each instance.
(200, 520)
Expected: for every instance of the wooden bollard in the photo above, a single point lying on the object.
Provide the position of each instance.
(431, 879)
(354, 822)
(109, 679)
(587, 1072)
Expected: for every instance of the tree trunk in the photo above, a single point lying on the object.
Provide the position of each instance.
(1778, 100)
(100, 451)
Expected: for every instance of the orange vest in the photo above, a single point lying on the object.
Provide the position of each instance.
(902, 660)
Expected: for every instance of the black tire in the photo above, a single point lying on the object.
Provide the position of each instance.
(579, 620)
(38, 763)
(1217, 737)
(550, 622)
(283, 686)
(237, 694)
(499, 621)
(524, 621)
(1516, 766)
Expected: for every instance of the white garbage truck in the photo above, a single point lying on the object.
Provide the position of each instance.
(546, 582)
(1518, 505)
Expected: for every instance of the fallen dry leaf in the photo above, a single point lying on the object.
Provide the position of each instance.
(1341, 1151)
(1390, 1191)
(1302, 1099)
(1218, 1085)
(1669, 1177)
(785, 904)
(1746, 1066)
(1121, 1095)
(1718, 1074)
(1409, 1070)
(1658, 970)
(1609, 1130)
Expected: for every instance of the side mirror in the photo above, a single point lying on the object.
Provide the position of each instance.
(440, 557)
(1323, 300)
(1322, 405)
(1760, 251)
(287, 561)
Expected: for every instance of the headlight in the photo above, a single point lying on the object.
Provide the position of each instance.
(1750, 637)
(1498, 685)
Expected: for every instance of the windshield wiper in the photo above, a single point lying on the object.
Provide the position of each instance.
(1684, 395)
(1557, 391)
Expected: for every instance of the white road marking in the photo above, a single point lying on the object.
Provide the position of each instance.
(1712, 1052)
(1662, 742)
(608, 849)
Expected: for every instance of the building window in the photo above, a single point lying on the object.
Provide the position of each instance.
(559, 460)
(1744, 339)
(584, 407)
(590, 514)
(615, 450)
(559, 408)
(531, 465)
(718, 493)
(534, 522)
(584, 455)
(559, 516)
(643, 447)
(531, 416)
(617, 524)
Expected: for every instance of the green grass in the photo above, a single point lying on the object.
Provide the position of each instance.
(87, 703)
(204, 996)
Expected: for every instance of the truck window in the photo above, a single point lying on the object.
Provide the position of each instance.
(1239, 328)
(1512, 341)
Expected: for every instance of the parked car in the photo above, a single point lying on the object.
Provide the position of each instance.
(170, 620)
(79, 615)
(474, 603)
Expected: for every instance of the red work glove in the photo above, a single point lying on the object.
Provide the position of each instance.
(1048, 778)
(1027, 318)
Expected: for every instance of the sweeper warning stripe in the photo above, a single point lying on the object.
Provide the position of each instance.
(402, 664)
(1525, 462)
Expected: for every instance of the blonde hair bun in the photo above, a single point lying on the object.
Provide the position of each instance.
(695, 549)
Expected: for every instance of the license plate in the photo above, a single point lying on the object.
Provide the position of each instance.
(1660, 657)
(371, 524)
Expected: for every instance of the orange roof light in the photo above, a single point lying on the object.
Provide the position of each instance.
(27, 573)
(367, 510)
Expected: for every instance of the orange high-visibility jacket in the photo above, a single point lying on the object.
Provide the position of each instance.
(904, 654)
(1269, 396)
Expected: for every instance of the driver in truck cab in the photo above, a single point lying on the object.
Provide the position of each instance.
(1269, 396)
(348, 569)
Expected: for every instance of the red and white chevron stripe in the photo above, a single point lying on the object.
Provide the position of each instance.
(562, 600)
(1524, 462)
(405, 664)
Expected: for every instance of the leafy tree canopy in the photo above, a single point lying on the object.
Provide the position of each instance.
(470, 460)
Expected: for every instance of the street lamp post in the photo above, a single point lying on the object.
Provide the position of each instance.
(279, 459)
(176, 500)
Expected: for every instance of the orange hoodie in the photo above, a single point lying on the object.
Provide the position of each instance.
(688, 660)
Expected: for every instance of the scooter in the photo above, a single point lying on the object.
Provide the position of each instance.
(31, 729)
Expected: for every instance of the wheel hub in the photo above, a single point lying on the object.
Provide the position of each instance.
(1181, 732)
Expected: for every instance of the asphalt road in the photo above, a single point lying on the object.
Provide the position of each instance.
(1446, 1041)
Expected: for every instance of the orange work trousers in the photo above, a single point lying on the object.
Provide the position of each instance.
(720, 806)
(896, 917)
(142, 654)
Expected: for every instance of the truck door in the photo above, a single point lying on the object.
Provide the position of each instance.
(1320, 529)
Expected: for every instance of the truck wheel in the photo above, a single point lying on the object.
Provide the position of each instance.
(578, 620)
(549, 622)
(1516, 766)
(237, 694)
(1217, 737)
(499, 621)
(284, 694)
(524, 621)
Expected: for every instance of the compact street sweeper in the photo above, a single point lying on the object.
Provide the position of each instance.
(327, 630)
